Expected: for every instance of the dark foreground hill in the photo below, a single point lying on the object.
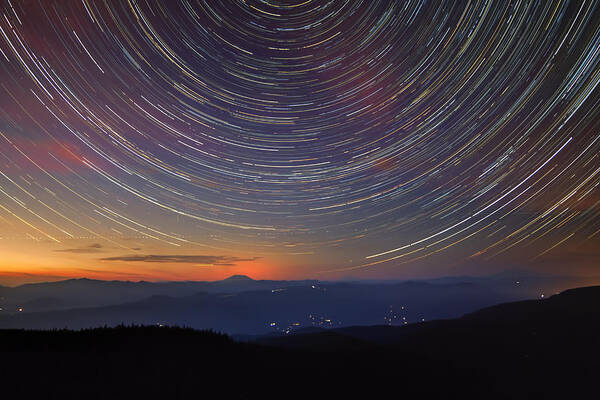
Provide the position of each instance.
(533, 349)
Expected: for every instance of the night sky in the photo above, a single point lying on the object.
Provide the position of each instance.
(150, 139)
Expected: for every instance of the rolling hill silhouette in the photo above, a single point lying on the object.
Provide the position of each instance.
(282, 309)
(241, 305)
(529, 349)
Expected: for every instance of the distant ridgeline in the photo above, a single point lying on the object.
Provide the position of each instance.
(241, 305)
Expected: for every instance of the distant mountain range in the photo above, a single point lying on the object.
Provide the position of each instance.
(241, 305)
(79, 293)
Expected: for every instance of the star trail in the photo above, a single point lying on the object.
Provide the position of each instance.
(299, 138)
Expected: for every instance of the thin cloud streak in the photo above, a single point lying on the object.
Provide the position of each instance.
(177, 258)
(91, 249)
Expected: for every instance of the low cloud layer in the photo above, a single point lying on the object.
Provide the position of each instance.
(91, 249)
(176, 258)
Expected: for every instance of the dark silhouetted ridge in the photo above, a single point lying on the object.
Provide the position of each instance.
(546, 349)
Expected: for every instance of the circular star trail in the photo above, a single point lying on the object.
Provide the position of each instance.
(355, 134)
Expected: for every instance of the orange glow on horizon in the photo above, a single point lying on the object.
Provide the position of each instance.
(19, 267)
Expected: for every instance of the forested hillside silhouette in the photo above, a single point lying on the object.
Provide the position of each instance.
(532, 349)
